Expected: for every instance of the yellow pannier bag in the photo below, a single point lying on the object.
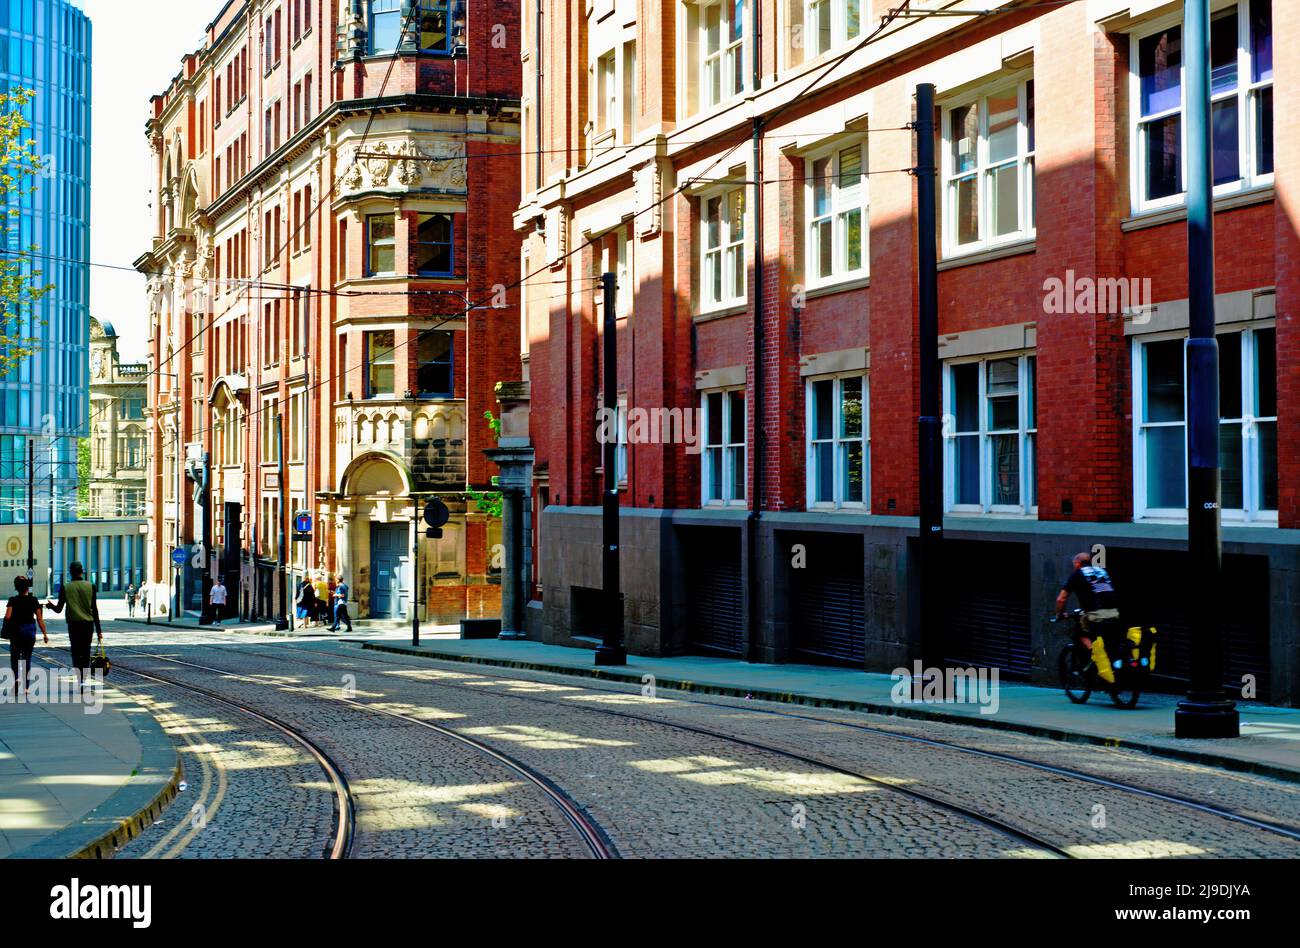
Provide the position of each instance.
(1102, 661)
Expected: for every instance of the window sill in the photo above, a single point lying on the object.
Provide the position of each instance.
(722, 313)
(1169, 215)
(725, 505)
(845, 508)
(841, 286)
(998, 252)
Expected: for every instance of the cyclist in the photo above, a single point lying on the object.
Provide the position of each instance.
(1093, 587)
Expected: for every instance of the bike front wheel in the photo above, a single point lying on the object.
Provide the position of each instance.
(1075, 677)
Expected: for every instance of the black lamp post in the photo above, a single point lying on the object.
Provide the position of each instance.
(1206, 711)
(611, 650)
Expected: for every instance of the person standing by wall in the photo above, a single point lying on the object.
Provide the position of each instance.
(217, 600)
(22, 617)
(341, 606)
(83, 618)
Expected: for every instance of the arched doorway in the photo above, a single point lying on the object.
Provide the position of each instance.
(377, 488)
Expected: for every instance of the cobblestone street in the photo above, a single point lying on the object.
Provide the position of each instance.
(441, 759)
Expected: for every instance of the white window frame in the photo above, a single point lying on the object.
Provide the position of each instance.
(729, 57)
(1246, 92)
(841, 203)
(983, 170)
(839, 25)
(1250, 512)
(985, 434)
(838, 442)
(730, 494)
(605, 91)
(727, 258)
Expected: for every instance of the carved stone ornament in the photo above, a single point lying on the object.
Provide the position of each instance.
(409, 164)
(380, 166)
(350, 173)
(447, 169)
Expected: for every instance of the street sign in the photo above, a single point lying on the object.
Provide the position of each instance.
(302, 527)
(436, 513)
(179, 557)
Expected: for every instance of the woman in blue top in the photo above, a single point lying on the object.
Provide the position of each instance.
(22, 617)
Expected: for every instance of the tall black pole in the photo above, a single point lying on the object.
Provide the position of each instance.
(929, 425)
(281, 619)
(1206, 711)
(416, 587)
(611, 650)
(31, 509)
(205, 546)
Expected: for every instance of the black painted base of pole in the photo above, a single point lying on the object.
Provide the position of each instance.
(281, 625)
(1206, 716)
(611, 655)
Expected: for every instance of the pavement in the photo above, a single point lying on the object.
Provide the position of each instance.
(76, 782)
(1269, 744)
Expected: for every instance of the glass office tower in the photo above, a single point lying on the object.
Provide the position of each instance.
(45, 46)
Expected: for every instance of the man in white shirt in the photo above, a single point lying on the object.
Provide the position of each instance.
(217, 600)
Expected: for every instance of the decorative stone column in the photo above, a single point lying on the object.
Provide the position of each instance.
(514, 456)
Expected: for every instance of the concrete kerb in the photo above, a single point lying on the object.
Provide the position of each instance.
(123, 816)
(922, 712)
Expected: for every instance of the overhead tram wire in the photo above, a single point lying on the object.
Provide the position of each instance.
(876, 35)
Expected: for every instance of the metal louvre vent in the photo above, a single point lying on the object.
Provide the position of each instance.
(827, 601)
(714, 591)
(986, 606)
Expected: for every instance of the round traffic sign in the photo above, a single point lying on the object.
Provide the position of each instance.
(179, 557)
(436, 513)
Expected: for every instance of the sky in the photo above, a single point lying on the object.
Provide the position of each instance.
(135, 57)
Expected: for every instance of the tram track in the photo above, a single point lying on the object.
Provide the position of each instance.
(1203, 807)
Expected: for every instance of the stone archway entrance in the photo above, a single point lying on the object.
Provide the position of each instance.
(373, 523)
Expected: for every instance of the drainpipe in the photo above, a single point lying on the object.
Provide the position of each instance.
(756, 412)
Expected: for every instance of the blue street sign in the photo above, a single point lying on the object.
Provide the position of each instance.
(302, 523)
(179, 557)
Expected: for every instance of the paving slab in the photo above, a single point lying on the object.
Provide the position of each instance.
(1269, 742)
(74, 783)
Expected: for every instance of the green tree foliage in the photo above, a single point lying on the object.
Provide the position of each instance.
(83, 477)
(20, 283)
(489, 503)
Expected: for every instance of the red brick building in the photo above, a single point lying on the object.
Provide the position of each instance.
(1062, 297)
(322, 291)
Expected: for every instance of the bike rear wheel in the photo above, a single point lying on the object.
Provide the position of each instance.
(1125, 696)
(1075, 678)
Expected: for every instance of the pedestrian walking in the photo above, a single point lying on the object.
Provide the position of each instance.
(130, 600)
(217, 600)
(341, 606)
(306, 601)
(22, 618)
(83, 618)
(321, 590)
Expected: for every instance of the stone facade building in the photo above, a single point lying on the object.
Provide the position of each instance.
(786, 530)
(326, 335)
(118, 430)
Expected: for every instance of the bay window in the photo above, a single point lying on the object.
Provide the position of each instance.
(838, 444)
(988, 169)
(1241, 104)
(991, 434)
(434, 372)
(723, 242)
(837, 203)
(380, 364)
(1247, 426)
(381, 245)
(436, 26)
(433, 245)
(723, 474)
